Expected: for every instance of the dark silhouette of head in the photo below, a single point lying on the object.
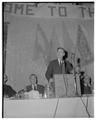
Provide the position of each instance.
(78, 61)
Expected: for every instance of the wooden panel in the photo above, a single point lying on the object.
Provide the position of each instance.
(64, 85)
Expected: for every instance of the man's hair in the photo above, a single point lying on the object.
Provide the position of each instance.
(34, 76)
(60, 48)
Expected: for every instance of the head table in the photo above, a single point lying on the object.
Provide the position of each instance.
(67, 107)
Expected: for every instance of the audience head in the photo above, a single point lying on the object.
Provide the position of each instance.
(33, 79)
(87, 79)
(5, 78)
(78, 69)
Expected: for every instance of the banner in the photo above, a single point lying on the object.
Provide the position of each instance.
(49, 10)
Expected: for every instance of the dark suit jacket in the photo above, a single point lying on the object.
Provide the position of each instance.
(84, 89)
(40, 88)
(55, 68)
(8, 91)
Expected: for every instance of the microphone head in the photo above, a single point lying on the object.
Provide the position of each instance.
(78, 60)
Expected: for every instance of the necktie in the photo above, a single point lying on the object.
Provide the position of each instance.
(33, 87)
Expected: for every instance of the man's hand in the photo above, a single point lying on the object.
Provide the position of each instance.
(25, 89)
(51, 80)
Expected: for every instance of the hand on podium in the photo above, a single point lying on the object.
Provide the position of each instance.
(50, 81)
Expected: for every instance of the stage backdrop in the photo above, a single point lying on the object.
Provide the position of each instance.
(32, 43)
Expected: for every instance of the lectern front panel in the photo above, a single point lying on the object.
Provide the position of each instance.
(64, 85)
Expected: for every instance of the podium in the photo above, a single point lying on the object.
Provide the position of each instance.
(65, 85)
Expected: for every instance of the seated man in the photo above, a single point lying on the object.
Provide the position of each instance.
(86, 83)
(7, 90)
(34, 85)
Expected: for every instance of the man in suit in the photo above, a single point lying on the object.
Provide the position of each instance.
(86, 83)
(8, 91)
(59, 65)
(34, 85)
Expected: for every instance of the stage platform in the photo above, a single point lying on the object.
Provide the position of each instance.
(73, 107)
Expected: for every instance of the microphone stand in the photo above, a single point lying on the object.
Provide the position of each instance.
(74, 72)
(75, 81)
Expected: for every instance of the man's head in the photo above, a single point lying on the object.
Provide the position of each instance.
(5, 78)
(33, 79)
(77, 69)
(60, 53)
(86, 79)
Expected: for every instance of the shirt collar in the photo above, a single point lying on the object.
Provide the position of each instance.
(59, 60)
(34, 86)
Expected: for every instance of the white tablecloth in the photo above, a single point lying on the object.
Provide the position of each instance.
(48, 108)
